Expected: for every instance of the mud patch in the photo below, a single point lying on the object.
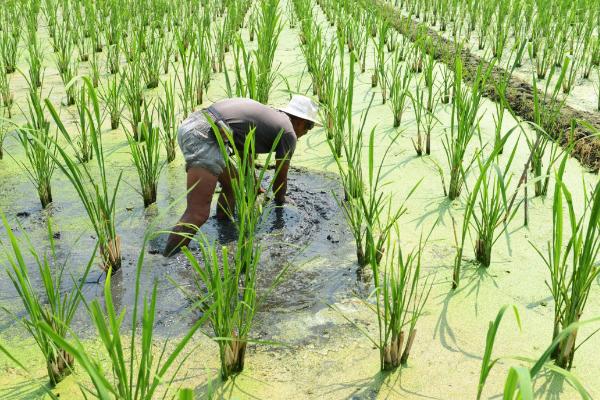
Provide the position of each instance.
(308, 237)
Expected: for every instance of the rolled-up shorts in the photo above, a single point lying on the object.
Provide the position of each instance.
(199, 145)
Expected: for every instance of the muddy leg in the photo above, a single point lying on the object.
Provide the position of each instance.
(199, 199)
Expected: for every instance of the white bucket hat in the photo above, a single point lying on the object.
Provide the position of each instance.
(303, 107)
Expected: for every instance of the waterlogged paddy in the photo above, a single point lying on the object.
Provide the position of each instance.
(320, 355)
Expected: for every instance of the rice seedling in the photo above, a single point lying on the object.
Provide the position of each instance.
(145, 153)
(571, 282)
(232, 299)
(464, 126)
(83, 43)
(379, 43)
(447, 85)
(6, 94)
(493, 215)
(220, 45)
(364, 204)
(168, 120)
(519, 381)
(339, 107)
(65, 63)
(35, 58)
(269, 27)
(403, 298)
(111, 95)
(152, 60)
(94, 69)
(245, 73)
(400, 296)
(426, 119)
(54, 305)
(135, 371)
(9, 41)
(4, 126)
(400, 79)
(92, 187)
(489, 219)
(486, 362)
(546, 112)
(39, 146)
(113, 57)
(133, 92)
(186, 77)
(202, 66)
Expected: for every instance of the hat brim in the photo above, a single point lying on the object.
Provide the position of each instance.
(300, 115)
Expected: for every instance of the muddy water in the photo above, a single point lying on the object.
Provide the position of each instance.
(309, 228)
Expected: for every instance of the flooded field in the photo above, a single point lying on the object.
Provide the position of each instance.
(316, 333)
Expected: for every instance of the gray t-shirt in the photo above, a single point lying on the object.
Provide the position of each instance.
(244, 114)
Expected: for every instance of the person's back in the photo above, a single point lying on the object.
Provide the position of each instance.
(243, 115)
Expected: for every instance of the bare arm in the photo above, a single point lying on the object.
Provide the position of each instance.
(280, 186)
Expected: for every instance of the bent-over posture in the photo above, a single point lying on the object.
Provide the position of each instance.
(204, 160)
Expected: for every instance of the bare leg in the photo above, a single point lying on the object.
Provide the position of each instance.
(226, 204)
(197, 211)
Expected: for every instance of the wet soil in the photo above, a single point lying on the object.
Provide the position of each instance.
(309, 228)
(520, 94)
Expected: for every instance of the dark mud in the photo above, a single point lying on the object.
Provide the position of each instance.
(520, 94)
(307, 237)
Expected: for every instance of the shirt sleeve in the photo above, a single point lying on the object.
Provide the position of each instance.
(286, 145)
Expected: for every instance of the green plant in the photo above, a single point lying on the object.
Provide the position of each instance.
(113, 57)
(133, 92)
(494, 213)
(267, 36)
(202, 67)
(464, 126)
(135, 371)
(426, 119)
(9, 41)
(94, 69)
(186, 75)
(35, 58)
(486, 362)
(168, 119)
(152, 60)
(365, 204)
(39, 146)
(232, 300)
(400, 303)
(6, 95)
(145, 153)
(486, 223)
(400, 295)
(111, 95)
(3, 133)
(400, 80)
(519, 380)
(54, 305)
(546, 112)
(85, 150)
(92, 187)
(571, 282)
(339, 107)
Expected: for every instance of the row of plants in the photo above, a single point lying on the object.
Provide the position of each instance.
(490, 207)
(548, 34)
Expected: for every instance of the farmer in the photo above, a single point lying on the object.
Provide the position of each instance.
(205, 164)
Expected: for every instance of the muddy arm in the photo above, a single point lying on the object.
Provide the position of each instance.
(280, 185)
